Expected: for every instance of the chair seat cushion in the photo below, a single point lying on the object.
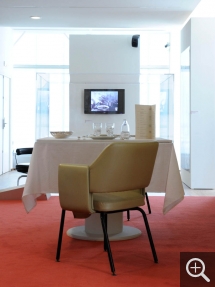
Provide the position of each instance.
(111, 201)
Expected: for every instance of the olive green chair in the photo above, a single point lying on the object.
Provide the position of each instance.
(114, 182)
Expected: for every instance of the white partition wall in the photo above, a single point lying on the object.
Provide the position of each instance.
(102, 62)
(198, 103)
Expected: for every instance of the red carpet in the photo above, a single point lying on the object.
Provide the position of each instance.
(28, 246)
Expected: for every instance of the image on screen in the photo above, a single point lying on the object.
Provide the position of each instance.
(104, 101)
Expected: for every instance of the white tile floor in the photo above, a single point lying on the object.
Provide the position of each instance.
(9, 180)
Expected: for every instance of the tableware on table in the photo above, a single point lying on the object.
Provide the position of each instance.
(109, 127)
(61, 135)
(97, 129)
(104, 137)
(125, 130)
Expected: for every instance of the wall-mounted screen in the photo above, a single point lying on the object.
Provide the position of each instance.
(104, 101)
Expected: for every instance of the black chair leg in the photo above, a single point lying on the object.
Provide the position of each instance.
(128, 215)
(148, 204)
(60, 235)
(149, 234)
(106, 239)
(106, 222)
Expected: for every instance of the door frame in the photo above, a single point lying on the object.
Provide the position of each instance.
(5, 165)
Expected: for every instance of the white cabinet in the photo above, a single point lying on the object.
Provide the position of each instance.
(198, 103)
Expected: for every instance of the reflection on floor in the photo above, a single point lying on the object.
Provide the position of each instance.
(9, 180)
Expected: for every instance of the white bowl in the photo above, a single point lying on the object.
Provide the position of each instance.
(61, 135)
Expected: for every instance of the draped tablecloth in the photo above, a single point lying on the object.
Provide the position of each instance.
(48, 153)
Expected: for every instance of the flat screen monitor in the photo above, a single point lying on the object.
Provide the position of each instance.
(104, 101)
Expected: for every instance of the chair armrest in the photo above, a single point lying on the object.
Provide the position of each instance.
(73, 184)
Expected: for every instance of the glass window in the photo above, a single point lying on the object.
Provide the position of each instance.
(153, 50)
(154, 64)
(41, 48)
(185, 109)
(40, 86)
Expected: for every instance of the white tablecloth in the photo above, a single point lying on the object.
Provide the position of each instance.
(48, 153)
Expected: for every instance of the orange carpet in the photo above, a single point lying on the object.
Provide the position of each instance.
(28, 246)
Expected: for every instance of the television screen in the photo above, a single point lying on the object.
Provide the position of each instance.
(104, 101)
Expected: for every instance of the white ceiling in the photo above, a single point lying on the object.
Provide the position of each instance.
(137, 14)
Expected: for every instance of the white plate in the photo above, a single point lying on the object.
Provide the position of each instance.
(104, 137)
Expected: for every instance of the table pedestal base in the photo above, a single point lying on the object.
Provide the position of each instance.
(92, 230)
(80, 233)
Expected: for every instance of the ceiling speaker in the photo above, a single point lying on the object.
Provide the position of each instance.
(134, 41)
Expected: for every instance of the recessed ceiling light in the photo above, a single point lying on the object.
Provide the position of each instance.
(35, 17)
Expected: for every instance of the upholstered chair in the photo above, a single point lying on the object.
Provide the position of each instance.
(20, 165)
(114, 182)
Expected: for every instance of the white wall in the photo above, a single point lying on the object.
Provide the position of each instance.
(199, 34)
(102, 62)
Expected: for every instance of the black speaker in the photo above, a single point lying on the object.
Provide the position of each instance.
(134, 41)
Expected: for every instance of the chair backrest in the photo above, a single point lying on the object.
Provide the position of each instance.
(20, 151)
(20, 154)
(123, 166)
